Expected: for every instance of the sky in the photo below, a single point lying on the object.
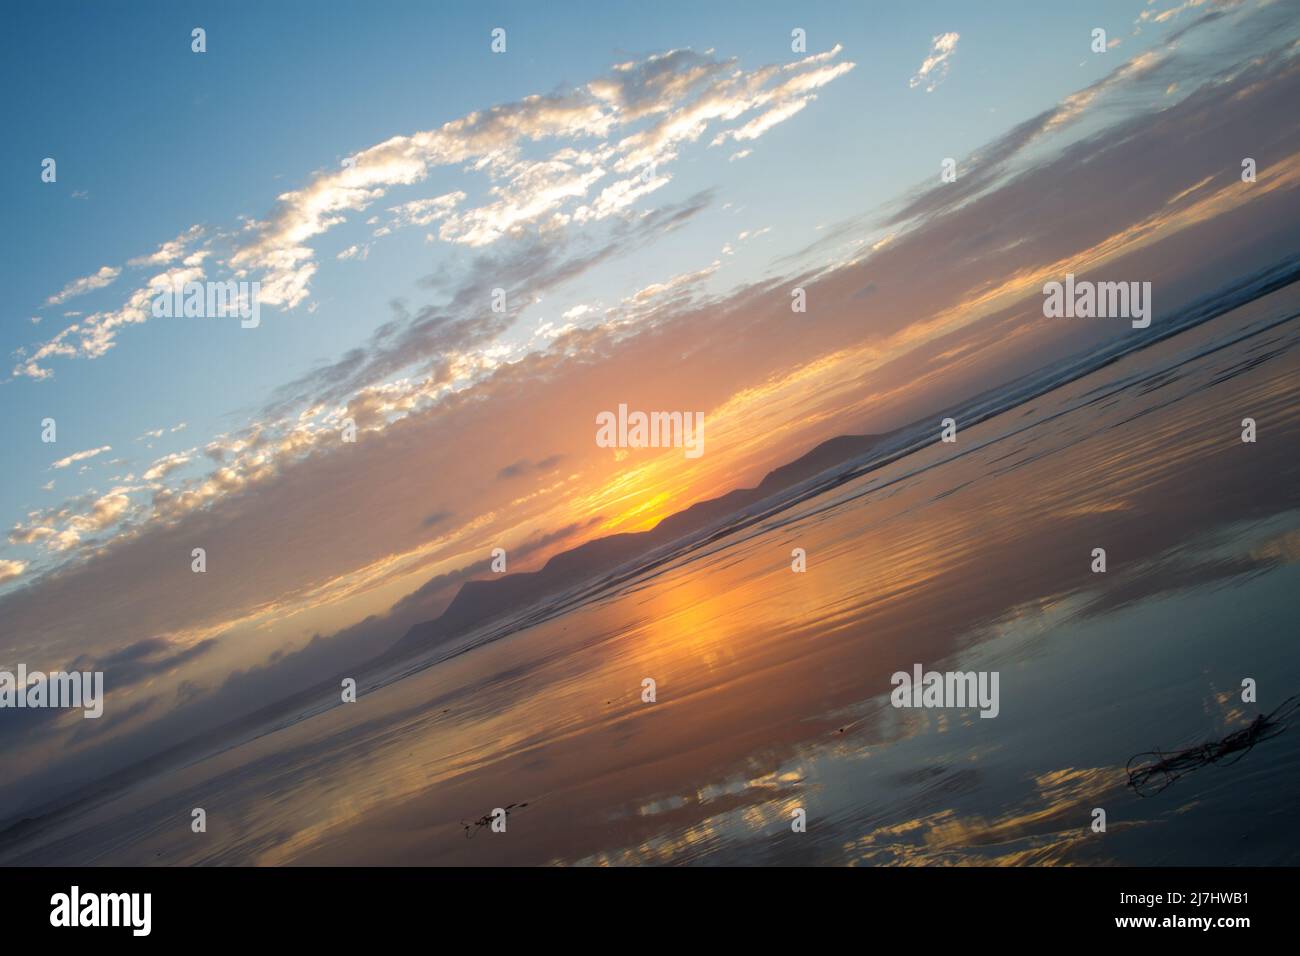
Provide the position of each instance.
(646, 183)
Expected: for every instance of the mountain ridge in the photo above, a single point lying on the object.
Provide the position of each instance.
(481, 601)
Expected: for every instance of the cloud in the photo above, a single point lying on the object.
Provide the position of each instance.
(1150, 15)
(934, 68)
(166, 465)
(1073, 105)
(518, 469)
(90, 283)
(437, 518)
(64, 527)
(11, 569)
(142, 660)
(96, 334)
(80, 456)
(104, 512)
(433, 336)
(278, 249)
(157, 433)
(421, 212)
(524, 467)
(684, 89)
(170, 251)
(616, 134)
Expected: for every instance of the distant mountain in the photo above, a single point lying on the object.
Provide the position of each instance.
(480, 602)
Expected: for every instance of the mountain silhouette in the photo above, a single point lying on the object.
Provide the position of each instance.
(482, 601)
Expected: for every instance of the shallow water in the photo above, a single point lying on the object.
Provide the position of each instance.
(773, 686)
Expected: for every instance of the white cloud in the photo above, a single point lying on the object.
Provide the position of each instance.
(1163, 16)
(97, 334)
(80, 456)
(681, 91)
(934, 68)
(169, 251)
(167, 464)
(90, 283)
(421, 212)
(621, 129)
(104, 512)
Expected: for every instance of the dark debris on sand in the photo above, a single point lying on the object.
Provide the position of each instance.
(486, 820)
(1156, 770)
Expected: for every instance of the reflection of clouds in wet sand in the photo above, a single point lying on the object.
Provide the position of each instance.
(1048, 827)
